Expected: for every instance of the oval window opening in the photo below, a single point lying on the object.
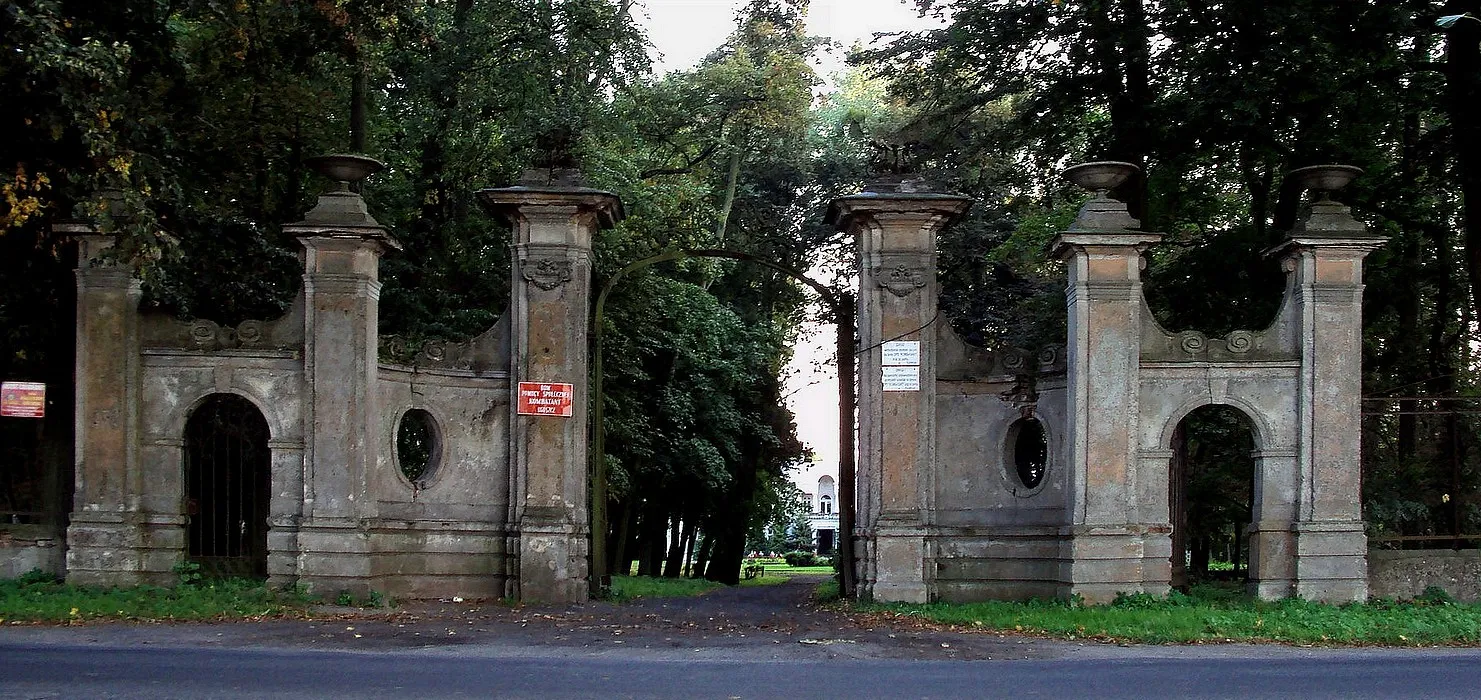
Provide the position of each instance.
(417, 448)
(1030, 453)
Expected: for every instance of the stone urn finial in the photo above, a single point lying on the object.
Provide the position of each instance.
(1101, 212)
(344, 168)
(1323, 180)
(1324, 217)
(342, 209)
(1102, 176)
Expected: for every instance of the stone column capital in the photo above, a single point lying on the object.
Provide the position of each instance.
(896, 221)
(1124, 243)
(553, 214)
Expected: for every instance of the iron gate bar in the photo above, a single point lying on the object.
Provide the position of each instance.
(226, 480)
(840, 303)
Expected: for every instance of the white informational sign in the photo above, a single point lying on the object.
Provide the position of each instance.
(900, 353)
(901, 378)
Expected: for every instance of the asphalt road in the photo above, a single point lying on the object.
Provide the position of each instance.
(60, 671)
(762, 643)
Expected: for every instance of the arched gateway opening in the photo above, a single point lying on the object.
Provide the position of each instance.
(227, 487)
(682, 538)
(1210, 496)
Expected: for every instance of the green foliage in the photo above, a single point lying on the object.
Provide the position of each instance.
(40, 597)
(188, 573)
(800, 558)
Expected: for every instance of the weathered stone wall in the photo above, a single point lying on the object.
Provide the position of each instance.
(997, 538)
(445, 534)
(341, 516)
(27, 547)
(1404, 574)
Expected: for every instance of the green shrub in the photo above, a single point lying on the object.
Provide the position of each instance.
(800, 558)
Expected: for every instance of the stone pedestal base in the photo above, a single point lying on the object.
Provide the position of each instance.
(1105, 560)
(124, 549)
(1331, 561)
(901, 560)
(282, 552)
(1272, 562)
(334, 557)
(552, 563)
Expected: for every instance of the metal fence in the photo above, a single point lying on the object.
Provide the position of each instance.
(1420, 471)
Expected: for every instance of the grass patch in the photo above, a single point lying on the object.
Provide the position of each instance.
(626, 588)
(768, 580)
(827, 592)
(1214, 615)
(38, 597)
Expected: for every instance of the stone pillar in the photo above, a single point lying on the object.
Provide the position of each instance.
(1109, 547)
(550, 307)
(1325, 253)
(1272, 573)
(110, 540)
(896, 226)
(342, 245)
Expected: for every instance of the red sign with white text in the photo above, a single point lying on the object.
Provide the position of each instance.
(22, 399)
(545, 399)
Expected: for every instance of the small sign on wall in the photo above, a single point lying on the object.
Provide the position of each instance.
(900, 365)
(901, 378)
(545, 399)
(900, 353)
(22, 399)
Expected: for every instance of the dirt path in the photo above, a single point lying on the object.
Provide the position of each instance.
(754, 622)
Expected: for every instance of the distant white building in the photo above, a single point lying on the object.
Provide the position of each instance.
(818, 482)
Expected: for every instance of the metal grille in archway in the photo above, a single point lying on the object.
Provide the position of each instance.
(227, 467)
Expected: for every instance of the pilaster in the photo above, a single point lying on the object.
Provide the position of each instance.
(1325, 253)
(110, 541)
(1109, 547)
(896, 230)
(342, 245)
(554, 221)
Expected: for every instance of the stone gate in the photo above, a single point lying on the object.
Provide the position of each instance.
(946, 508)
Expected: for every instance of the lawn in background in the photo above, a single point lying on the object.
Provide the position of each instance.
(626, 588)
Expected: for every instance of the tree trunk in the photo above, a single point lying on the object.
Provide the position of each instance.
(729, 201)
(688, 544)
(676, 549)
(703, 558)
(1463, 93)
(621, 562)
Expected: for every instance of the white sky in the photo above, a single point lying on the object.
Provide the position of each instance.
(684, 31)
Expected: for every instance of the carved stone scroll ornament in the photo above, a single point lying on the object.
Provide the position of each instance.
(208, 335)
(546, 273)
(1239, 342)
(901, 280)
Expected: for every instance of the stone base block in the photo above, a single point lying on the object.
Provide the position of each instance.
(1000, 563)
(553, 563)
(1100, 562)
(1272, 560)
(124, 549)
(334, 558)
(24, 548)
(442, 559)
(1331, 561)
(900, 563)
